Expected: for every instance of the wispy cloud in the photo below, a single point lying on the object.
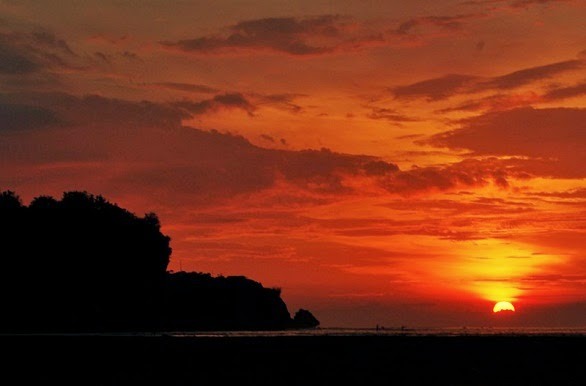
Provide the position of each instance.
(450, 23)
(559, 93)
(517, 3)
(529, 75)
(454, 84)
(27, 53)
(390, 115)
(221, 101)
(434, 89)
(187, 87)
(293, 36)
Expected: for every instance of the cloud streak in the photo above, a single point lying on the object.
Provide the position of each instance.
(449, 23)
(218, 102)
(17, 117)
(560, 93)
(187, 87)
(15, 60)
(447, 86)
(28, 53)
(529, 75)
(390, 115)
(434, 89)
(293, 36)
(517, 3)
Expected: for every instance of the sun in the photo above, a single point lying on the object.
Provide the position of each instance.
(503, 306)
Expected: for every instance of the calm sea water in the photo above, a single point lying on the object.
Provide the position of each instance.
(459, 331)
(456, 331)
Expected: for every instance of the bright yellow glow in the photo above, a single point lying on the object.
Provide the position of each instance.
(503, 306)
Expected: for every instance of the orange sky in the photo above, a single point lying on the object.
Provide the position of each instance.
(399, 163)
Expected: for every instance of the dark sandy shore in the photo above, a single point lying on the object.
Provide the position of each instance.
(313, 360)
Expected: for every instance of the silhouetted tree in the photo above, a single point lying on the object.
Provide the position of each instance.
(80, 261)
(9, 201)
(83, 263)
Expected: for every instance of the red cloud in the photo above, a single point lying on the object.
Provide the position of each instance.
(444, 22)
(138, 146)
(554, 139)
(566, 92)
(286, 35)
(434, 89)
(450, 85)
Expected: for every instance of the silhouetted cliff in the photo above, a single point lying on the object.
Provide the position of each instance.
(84, 264)
(196, 300)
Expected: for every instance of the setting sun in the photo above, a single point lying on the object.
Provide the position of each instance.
(503, 306)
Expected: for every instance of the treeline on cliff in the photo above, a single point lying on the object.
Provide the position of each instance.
(84, 264)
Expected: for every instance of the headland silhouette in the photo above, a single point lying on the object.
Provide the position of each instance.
(83, 264)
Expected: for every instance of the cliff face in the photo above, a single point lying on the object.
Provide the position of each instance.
(84, 264)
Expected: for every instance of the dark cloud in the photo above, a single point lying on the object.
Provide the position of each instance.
(28, 53)
(529, 3)
(222, 101)
(94, 110)
(476, 211)
(565, 92)
(109, 40)
(249, 102)
(467, 173)
(293, 36)
(453, 84)
(529, 75)
(569, 194)
(97, 111)
(409, 136)
(434, 89)
(48, 39)
(496, 102)
(516, 3)
(390, 115)
(16, 60)
(15, 117)
(380, 168)
(452, 23)
(553, 139)
(189, 87)
(110, 58)
(281, 101)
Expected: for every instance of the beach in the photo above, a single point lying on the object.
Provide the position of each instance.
(295, 360)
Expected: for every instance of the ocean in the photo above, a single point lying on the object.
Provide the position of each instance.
(424, 331)
(341, 331)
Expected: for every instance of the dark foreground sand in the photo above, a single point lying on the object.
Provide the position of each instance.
(313, 360)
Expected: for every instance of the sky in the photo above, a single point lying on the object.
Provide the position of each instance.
(382, 162)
